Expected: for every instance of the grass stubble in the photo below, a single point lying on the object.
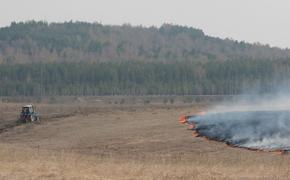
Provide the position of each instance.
(200, 160)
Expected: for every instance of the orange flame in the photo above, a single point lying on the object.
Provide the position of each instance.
(191, 126)
(281, 152)
(183, 119)
(194, 134)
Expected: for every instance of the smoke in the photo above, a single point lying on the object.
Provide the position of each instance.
(251, 122)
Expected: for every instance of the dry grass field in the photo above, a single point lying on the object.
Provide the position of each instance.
(89, 141)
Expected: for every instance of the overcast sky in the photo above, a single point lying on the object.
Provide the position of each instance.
(265, 21)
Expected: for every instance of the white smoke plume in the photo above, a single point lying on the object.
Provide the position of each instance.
(255, 122)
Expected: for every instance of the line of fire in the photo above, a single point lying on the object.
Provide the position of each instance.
(253, 130)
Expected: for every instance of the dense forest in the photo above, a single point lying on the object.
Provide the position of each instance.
(78, 58)
(141, 78)
(92, 42)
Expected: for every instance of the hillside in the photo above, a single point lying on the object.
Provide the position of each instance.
(60, 59)
(86, 42)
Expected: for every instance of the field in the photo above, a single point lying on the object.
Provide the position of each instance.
(122, 141)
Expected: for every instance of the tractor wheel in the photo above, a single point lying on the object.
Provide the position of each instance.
(38, 119)
(32, 118)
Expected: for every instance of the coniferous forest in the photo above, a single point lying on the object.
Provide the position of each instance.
(77, 58)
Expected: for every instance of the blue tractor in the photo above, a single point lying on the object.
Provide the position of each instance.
(28, 114)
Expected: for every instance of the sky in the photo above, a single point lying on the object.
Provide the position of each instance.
(264, 21)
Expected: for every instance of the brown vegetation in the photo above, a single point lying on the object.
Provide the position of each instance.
(123, 142)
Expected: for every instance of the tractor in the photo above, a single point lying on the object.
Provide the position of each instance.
(28, 114)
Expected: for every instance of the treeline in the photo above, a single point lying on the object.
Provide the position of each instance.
(143, 78)
(32, 41)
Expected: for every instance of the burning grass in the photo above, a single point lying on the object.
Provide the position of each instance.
(253, 130)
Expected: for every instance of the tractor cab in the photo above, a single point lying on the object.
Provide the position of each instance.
(28, 109)
(28, 114)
